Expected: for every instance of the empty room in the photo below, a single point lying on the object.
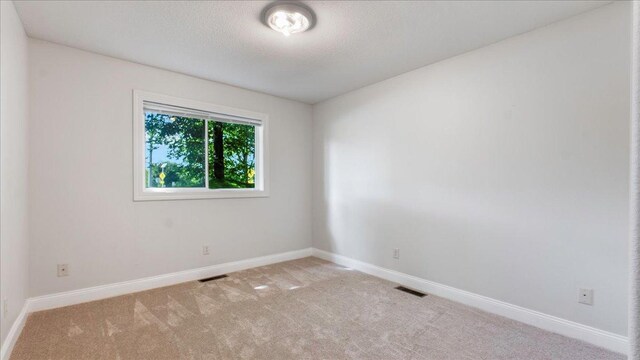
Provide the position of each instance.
(320, 180)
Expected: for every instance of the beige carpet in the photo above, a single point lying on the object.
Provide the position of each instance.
(303, 309)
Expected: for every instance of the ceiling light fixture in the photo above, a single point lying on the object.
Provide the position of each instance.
(288, 18)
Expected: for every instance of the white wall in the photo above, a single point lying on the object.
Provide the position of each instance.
(503, 171)
(81, 182)
(14, 242)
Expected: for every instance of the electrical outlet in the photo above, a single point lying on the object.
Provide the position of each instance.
(585, 296)
(396, 253)
(63, 270)
(205, 250)
(5, 307)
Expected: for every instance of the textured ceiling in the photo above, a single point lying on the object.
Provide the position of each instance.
(355, 43)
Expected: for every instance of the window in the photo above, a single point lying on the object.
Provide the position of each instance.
(186, 149)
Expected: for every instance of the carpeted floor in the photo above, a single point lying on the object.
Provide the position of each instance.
(302, 309)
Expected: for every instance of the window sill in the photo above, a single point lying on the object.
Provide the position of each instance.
(195, 194)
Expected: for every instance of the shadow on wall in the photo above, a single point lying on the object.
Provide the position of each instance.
(443, 235)
(447, 248)
(510, 244)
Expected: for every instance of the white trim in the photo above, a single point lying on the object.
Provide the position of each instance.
(605, 339)
(14, 332)
(181, 111)
(126, 287)
(140, 193)
(564, 327)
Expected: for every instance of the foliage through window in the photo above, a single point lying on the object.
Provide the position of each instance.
(199, 150)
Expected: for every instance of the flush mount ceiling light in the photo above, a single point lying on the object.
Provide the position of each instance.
(288, 18)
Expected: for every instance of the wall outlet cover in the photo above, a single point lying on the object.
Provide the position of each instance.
(585, 296)
(63, 270)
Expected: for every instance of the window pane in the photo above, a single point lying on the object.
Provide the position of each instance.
(174, 151)
(232, 153)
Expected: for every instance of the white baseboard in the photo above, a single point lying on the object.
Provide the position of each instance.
(572, 329)
(14, 332)
(106, 291)
(126, 287)
(605, 339)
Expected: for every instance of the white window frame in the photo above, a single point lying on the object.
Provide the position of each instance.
(141, 193)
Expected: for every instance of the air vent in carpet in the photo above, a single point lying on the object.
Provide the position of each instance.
(213, 278)
(411, 291)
